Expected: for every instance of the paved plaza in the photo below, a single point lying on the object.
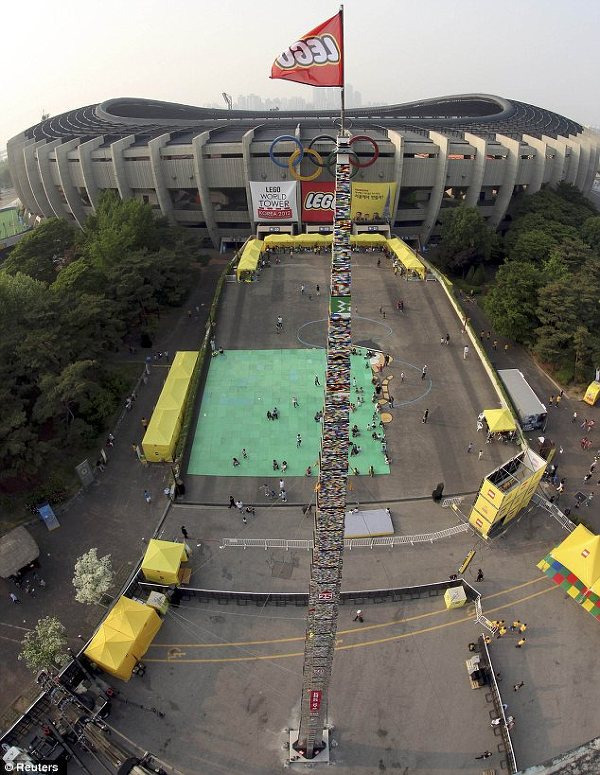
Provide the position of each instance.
(228, 677)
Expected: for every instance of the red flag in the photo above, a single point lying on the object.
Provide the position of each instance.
(315, 59)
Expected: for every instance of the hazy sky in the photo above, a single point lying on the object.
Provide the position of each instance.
(66, 54)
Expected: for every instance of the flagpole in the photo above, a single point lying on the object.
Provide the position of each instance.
(342, 92)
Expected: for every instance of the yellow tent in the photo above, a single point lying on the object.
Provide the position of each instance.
(279, 239)
(307, 239)
(592, 393)
(580, 553)
(325, 239)
(499, 420)
(137, 621)
(164, 426)
(111, 650)
(407, 257)
(250, 257)
(367, 238)
(162, 561)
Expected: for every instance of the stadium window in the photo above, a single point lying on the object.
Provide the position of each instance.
(137, 158)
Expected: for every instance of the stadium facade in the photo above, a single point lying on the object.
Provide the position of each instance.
(196, 165)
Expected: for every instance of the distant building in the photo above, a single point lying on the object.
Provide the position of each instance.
(194, 164)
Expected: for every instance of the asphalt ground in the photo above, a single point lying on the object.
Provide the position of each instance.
(228, 678)
(209, 710)
(454, 390)
(111, 515)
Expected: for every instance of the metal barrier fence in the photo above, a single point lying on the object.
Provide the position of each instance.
(349, 543)
(486, 662)
(352, 597)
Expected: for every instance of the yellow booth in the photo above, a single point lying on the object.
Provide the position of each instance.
(499, 420)
(123, 637)
(138, 621)
(164, 426)
(162, 561)
(249, 258)
(367, 238)
(111, 651)
(592, 393)
(407, 257)
(274, 240)
(574, 565)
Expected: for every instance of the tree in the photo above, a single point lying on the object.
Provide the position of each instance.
(93, 577)
(45, 647)
(40, 252)
(511, 304)
(590, 232)
(465, 238)
(558, 313)
(534, 245)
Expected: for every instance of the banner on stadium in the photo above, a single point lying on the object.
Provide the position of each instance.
(316, 58)
(318, 201)
(274, 201)
(372, 201)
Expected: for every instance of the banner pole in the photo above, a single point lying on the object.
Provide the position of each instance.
(343, 89)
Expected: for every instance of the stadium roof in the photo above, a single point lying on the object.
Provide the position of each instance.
(482, 114)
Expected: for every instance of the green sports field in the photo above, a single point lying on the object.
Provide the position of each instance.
(243, 385)
(9, 224)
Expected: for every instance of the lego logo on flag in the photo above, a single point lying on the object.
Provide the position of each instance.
(326, 594)
(315, 700)
(318, 50)
(340, 305)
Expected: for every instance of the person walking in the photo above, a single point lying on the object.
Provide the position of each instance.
(465, 352)
(184, 532)
(295, 403)
(298, 440)
(425, 416)
(557, 400)
(317, 383)
(358, 617)
(515, 625)
(235, 462)
(371, 471)
(14, 598)
(283, 496)
(518, 686)
(318, 290)
(232, 502)
(480, 576)
(484, 755)
(551, 401)
(424, 371)
(401, 376)
(244, 454)
(266, 491)
(281, 485)
(284, 466)
(520, 643)
(144, 422)
(522, 628)
(391, 402)
(147, 496)
(574, 417)
(480, 454)
(302, 289)
(495, 344)
(470, 448)
(447, 339)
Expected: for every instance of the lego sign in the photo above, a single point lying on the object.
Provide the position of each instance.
(318, 200)
(315, 700)
(275, 201)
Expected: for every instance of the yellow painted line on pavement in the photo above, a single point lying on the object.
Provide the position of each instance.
(362, 644)
(353, 631)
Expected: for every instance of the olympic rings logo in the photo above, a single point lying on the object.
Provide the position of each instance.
(299, 153)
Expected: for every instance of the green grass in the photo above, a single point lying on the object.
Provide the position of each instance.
(242, 385)
(9, 224)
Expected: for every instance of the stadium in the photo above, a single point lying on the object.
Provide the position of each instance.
(202, 167)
